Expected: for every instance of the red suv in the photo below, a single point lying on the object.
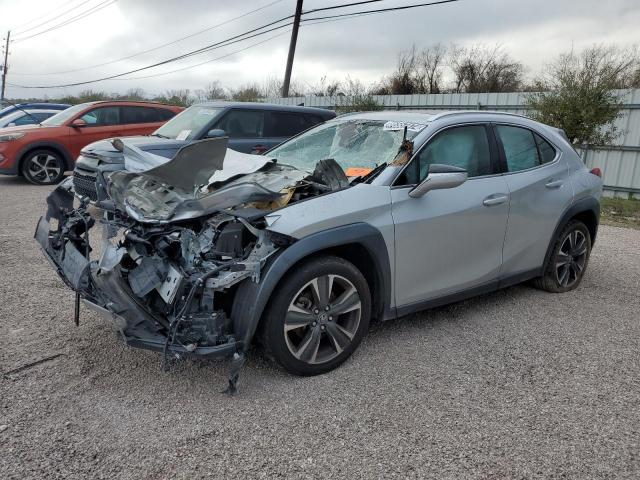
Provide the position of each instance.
(42, 153)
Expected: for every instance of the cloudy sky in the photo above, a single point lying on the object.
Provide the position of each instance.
(92, 46)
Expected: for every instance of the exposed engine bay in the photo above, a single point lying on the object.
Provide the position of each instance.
(172, 254)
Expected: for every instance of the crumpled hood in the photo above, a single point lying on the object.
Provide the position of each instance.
(196, 182)
(106, 152)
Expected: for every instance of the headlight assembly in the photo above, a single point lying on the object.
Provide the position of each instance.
(11, 136)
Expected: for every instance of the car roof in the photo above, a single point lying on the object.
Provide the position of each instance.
(34, 105)
(417, 116)
(426, 116)
(268, 106)
(130, 102)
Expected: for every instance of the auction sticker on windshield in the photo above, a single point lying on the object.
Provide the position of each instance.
(183, 135)
(412, 127)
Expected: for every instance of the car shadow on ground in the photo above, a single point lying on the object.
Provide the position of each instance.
(104, 356)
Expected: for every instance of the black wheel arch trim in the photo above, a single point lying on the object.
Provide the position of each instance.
(587, 204)
(251, 298)
(66, 156)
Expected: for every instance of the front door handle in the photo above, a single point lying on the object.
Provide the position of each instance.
(554, 184)
(258, 149)
(495, 199)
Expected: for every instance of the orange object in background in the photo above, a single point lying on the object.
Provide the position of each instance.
(358, 171)
(43, 152)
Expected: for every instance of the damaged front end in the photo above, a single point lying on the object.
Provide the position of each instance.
(170, 258)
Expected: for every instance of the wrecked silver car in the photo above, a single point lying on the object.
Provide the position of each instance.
(368, 216)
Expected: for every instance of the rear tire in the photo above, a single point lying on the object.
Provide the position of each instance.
(569, 259)
(43, 167)
(317, 317)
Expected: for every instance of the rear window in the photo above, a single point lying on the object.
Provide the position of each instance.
(140, 115)
(286, 124)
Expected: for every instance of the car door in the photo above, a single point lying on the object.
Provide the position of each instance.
(245, 129)
(539, 190)
(450, 240)
(100, 123)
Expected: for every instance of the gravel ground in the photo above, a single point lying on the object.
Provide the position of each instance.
(514, 384)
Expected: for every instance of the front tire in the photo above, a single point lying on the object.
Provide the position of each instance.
(569, 259)
(317, 317)
(43, 167)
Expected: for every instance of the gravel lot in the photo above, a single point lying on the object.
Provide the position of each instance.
(514, 384)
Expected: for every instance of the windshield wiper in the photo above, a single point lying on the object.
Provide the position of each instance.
(159, 135)
(371, 174)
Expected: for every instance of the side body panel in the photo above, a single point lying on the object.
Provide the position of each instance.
(538, 198)
(364, 203)
(448, 240)
(251, 298)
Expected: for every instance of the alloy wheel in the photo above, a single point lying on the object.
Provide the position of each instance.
(571, 258)
(44, 167)
(322, 319)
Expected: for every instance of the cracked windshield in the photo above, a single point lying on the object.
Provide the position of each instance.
(354, 144)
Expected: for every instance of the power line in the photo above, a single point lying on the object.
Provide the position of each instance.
(82, 15)
(44, 16)
(383, 10)
(207, 61)
(232, 53)
(343, 5)
(154, 48)
(213, 46)
(53, 18)
(230, 40)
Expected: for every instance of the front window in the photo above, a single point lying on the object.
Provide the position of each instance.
(187, 124)
(350, 142)
(101, 117)
(65, 115)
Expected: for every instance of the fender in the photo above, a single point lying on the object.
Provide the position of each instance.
(587, 204)
(251, 298)
(44, 144)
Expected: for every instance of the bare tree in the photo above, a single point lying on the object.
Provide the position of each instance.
(484, 69)
(407, 78)
(181, 97)
(136, 93)
(577, 93)
(431, 62)
(214, 91)
(247, 93)
(325, 88)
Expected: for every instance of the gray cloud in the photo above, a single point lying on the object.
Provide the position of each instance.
(533, 31)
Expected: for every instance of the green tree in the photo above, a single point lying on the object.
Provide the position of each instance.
(578, 93)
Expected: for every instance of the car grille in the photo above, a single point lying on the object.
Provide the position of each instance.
(85, 186)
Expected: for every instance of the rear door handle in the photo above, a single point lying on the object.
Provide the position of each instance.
(495, 199)
(554, 184)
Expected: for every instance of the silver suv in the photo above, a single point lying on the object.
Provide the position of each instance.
(368, 216)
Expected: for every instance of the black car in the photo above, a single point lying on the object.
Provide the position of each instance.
(251, 128)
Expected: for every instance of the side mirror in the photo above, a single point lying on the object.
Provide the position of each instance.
(78, 123)
(216, 133)
(439, 177)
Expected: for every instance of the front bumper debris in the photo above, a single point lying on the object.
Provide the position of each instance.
(103, 289)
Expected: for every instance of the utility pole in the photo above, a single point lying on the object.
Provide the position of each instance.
(292, 49)
(5, 67)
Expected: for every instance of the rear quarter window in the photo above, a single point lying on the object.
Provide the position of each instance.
(547, 152)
